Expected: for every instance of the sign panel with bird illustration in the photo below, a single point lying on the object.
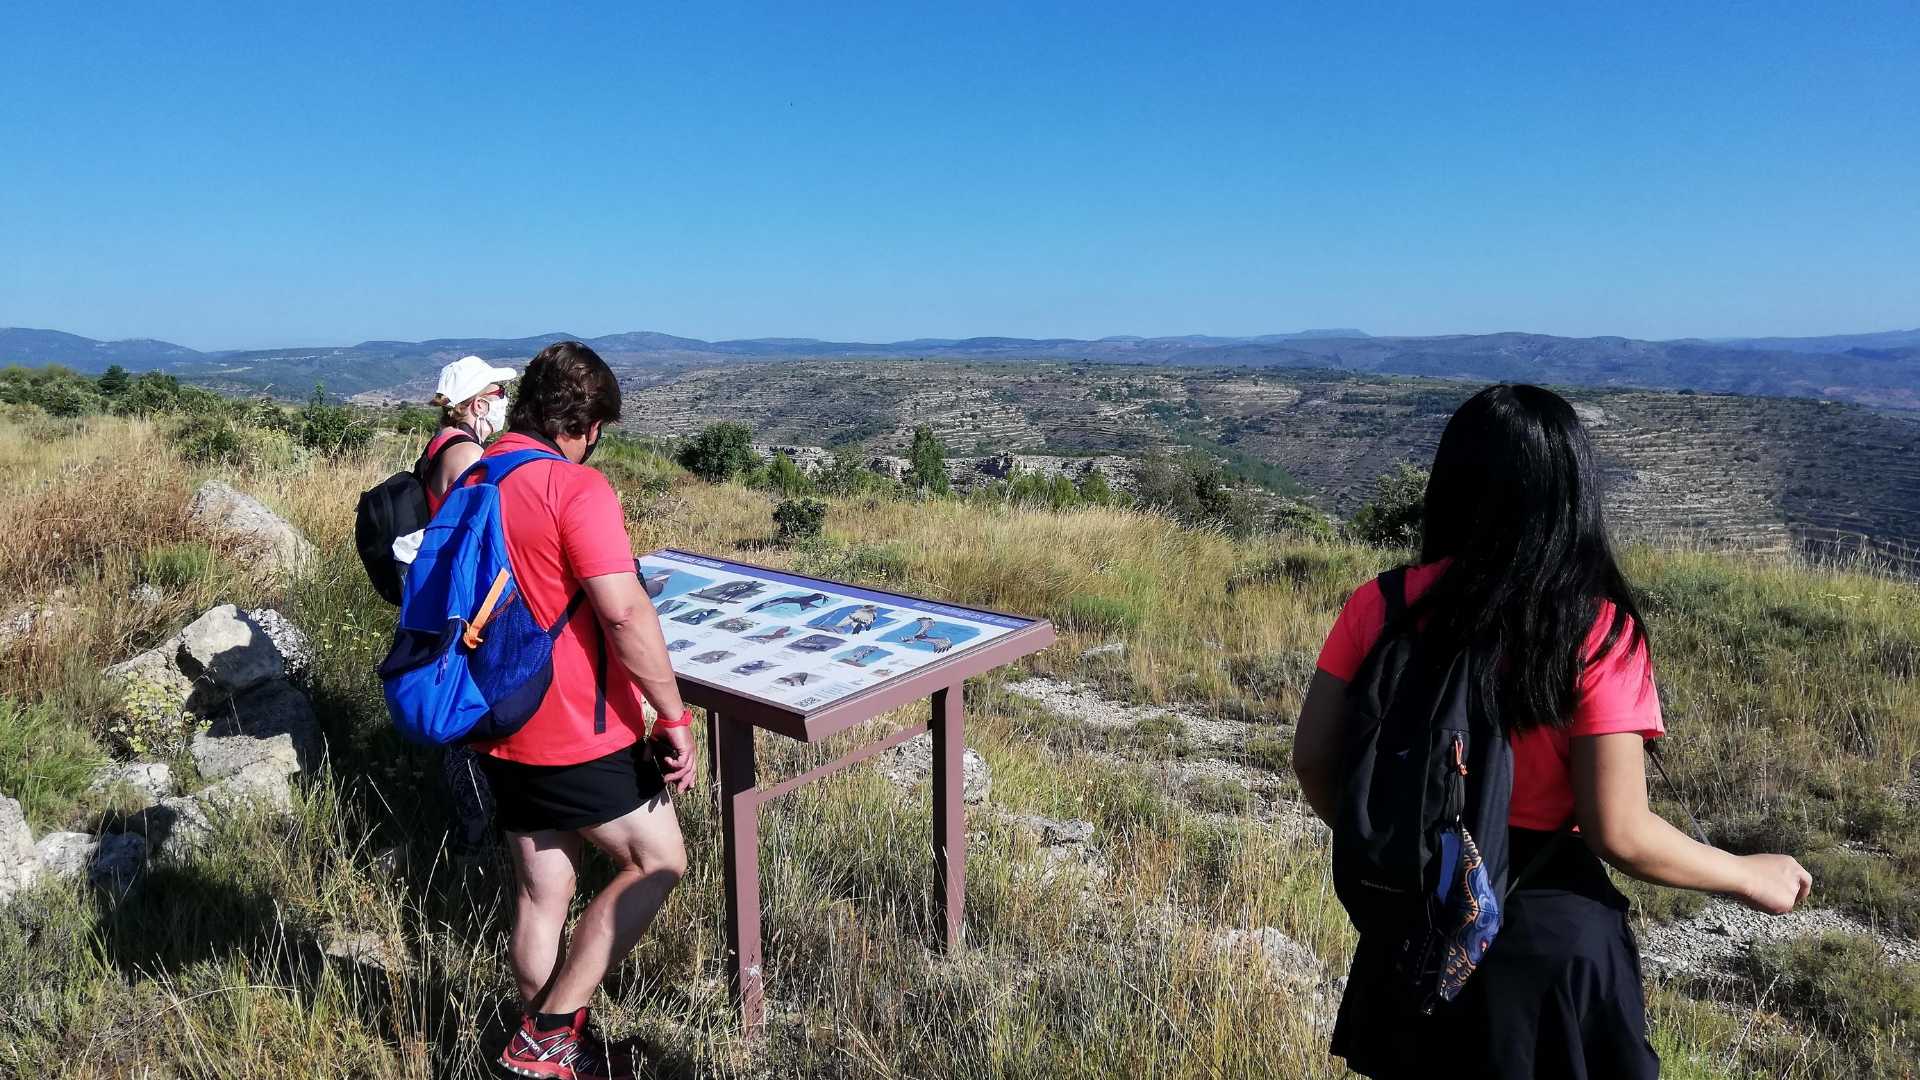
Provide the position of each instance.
(798, 642)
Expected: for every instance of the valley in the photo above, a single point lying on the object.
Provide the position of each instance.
(1712, 470)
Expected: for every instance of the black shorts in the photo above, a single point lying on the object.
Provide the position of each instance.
(532, 798)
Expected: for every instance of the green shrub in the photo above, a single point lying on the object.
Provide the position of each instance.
(719, 453)
(1193, 489)
(265, 414)
(208, 438)
(1217, 795)
(1844, 985)
(1392, 519)
(848, 475)
(331, 429)
(178, 565)
(270, 450)
(1270, 752)
(1094, 488)
(799, 520)
(113, 382)
(415, 420)
(45, 761)
(783, 476)
(57, 390)
(927, 462)
(1332, 572)
(1302, 521)
(1283, 674)
(869, 563)
(1094, 613)
(636, 466)
(148, 394)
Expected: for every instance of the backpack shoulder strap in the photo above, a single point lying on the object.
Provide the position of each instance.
(1393, 590)
(423, 469)
(498, 467)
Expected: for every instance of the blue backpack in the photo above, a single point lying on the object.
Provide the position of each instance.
(469, 660)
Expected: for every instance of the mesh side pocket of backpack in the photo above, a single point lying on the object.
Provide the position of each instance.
(513, 667)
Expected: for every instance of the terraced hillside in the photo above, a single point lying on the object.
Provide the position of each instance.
(1721, 470)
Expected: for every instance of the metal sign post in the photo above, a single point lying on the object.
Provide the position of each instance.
(808, 658)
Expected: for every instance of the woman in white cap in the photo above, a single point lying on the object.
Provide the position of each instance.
(472, 406)
(472, 402)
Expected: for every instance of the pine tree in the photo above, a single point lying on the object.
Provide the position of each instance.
(114, 381)
(927, 462)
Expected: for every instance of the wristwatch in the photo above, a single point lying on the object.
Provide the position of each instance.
(685, 720)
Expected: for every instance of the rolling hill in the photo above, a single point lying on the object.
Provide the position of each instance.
(1878, 370)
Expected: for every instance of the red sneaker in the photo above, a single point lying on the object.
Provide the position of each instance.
(555, 1054)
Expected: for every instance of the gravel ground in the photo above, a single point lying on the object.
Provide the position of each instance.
(1097, 710)
(1713, 941)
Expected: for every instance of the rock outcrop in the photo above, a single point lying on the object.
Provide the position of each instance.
(19, 861)
(227, 669)
(112, 862)
(151, 780)
(224, 681)
(277, 545)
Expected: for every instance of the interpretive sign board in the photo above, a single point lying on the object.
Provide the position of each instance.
(807, 658)
(801, 645)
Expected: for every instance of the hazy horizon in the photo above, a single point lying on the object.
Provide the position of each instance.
(340, 343)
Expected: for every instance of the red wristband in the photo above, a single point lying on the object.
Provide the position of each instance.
(661, 723)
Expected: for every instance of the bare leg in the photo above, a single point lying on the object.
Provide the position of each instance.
(650, 858)
(544, 864)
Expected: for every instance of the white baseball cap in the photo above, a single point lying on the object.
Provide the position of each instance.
(467, 376)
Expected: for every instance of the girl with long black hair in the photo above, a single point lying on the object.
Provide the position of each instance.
(1515, 565)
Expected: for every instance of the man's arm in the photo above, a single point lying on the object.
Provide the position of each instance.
(633, 635)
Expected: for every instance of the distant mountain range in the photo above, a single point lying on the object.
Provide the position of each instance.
(1878, 369)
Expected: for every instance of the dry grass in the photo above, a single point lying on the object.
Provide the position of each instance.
(1782, 682)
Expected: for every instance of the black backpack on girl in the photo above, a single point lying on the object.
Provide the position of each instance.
(1420, 831)
(391, 509)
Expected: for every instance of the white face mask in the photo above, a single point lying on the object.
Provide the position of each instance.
(482, 425)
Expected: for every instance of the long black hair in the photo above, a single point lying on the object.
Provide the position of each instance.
(1514, 504)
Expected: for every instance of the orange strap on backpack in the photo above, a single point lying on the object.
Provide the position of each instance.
(473, 635)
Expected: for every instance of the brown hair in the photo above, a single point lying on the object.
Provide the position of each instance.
(565, 390)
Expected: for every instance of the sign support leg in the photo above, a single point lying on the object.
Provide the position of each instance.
(713, 756)
(740, 829)
(949, 814)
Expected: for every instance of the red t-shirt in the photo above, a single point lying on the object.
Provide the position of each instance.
(564, 525)
(1615, 695)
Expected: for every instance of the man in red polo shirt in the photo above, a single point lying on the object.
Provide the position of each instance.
(584, 768)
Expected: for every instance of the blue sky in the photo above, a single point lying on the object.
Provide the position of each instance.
(235, 177)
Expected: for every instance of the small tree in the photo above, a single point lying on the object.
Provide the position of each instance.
(927, 462)
(1094, 488)
(846, 474)
(331, 429)
(786, 477)
(114, 381)
(800, 519)
(719, 453)
(1393, 518)
(149, 393)
(1300, 521)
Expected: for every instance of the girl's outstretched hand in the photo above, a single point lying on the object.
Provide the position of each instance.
(1775, 883)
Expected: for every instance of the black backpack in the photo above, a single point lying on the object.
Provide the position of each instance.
(1420, 832)
(391, 509)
